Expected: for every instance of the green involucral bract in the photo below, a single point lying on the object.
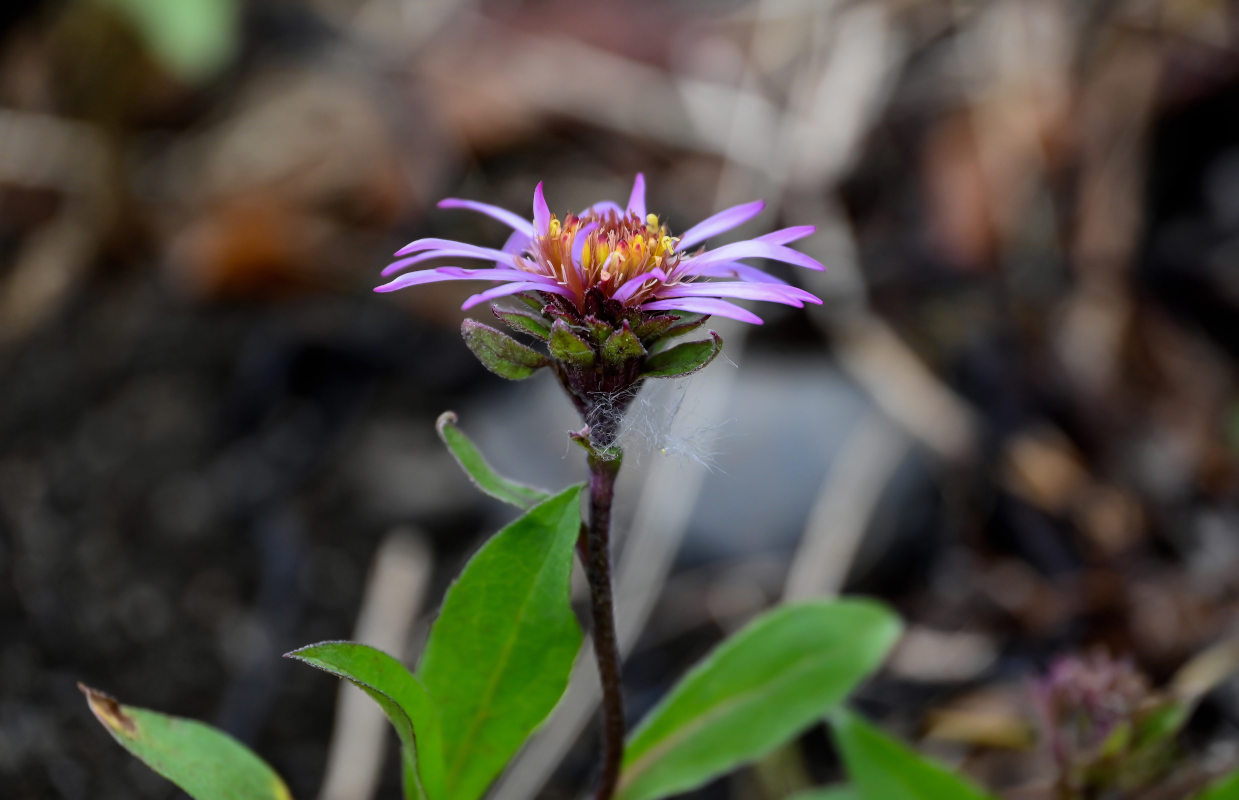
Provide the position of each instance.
(206, 763)
(500, 353)
(683, 359)
(757, 690)
(500, 653)
(568, 347)
(523, 321)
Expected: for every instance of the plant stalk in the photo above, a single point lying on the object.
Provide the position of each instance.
(597, 553)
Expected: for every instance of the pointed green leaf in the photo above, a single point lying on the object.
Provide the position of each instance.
(403, 699)
(622, 345)
(683, 359)
(650, 328)
(500, 653)
(479, 471)
(757, 690)
(882, 768)
(500, 353)
(524, 322)
(206, 763)
(1225, 789)
(569, 347)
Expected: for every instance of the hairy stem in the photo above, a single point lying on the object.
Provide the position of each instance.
(597, 552)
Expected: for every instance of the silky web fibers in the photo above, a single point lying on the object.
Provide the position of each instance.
(658, 423)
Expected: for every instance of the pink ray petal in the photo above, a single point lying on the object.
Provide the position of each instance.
(731, 269)
(458, 274)
(578, 243)
(751, 248)
(459, 250)
(636, 200)
(786, 235)
(514, 288)
(633, 285)
(721, 222)
(541, 214)
(495, 212)
(770, 292)
(703, 305)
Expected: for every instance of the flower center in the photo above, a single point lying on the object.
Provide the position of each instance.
(616, 248)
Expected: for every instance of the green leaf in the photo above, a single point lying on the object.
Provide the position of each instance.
(1161, 724)
(884, 769)
(828, 793)
(500, 353)
(194, 39)
(403, 699)
(622, 345)
(1225, 789)
(567, 346)
(479, 471)
(524, 322)
(206, 763)
(683, 359)
(500, 653)
(757, 690)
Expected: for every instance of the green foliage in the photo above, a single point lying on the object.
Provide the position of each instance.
(566, 346)
(500, 653)
(404, 700)
(758, 689)
(1225, 789)
(500, 353)
(193, 39)
(481, 472)
(683, 359)
(883, 769)
(206, 763)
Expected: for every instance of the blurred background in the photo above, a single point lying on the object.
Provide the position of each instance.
(1015, 417)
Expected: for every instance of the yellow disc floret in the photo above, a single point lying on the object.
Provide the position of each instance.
(618, 247)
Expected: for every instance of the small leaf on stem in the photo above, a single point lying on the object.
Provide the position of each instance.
(479, 471)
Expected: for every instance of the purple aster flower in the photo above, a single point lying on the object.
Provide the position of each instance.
(607, 289)
(618, 260)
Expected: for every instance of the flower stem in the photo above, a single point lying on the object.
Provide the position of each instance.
(603, 469)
